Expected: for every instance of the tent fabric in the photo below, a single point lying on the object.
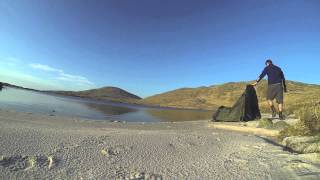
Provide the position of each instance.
(245, 109)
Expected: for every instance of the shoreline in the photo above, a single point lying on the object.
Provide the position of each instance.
(52, 147)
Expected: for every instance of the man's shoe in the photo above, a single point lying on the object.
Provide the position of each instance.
(281, 117)
(274, 112)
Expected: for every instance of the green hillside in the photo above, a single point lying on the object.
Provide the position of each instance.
(226, 94)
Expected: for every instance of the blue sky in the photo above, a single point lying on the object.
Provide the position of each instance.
(152, 46)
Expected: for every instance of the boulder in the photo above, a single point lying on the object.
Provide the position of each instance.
(304, 144)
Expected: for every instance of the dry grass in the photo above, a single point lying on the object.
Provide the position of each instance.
(198, 98)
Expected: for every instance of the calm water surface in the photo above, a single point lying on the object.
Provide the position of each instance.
(36, 102)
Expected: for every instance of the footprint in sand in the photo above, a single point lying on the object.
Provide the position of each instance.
(24, 163)
(124, 173)
(303, 169)
(14, 163)
(235, 163)
(115, 151)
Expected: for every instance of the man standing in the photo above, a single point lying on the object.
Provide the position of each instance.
(276, 86)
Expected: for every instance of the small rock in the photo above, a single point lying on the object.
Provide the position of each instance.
(105, 152)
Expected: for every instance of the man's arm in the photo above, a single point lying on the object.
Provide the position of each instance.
(283, 82)
(262, 75)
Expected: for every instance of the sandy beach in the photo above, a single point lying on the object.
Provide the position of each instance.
(37, 146)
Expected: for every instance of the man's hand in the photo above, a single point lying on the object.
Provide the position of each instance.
(254, 84)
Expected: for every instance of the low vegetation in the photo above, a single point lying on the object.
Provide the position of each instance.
(309, 124)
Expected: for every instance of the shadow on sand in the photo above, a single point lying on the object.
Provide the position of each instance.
(273, 142)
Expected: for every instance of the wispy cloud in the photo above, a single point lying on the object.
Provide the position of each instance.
(11, 61)
(61, 75)
(45, 68)
(74, 78)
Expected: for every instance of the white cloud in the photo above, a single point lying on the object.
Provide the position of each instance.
(45, 68)
(62, 75)
(74, 78)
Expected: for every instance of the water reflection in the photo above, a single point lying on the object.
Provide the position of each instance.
(111, 109)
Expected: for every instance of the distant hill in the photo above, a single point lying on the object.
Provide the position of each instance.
(3, 84)
(106, 93)
(212, 97)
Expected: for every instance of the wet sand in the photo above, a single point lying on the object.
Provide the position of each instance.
(37, 146)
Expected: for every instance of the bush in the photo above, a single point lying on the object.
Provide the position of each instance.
(309, 124)
(310, 118)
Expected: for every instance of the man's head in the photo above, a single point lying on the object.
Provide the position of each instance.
(268, 62)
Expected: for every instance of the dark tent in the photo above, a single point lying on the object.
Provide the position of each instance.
(245, 109)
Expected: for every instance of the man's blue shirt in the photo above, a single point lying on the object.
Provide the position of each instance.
(275, 74)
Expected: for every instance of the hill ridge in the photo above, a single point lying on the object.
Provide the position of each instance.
(226, 94)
